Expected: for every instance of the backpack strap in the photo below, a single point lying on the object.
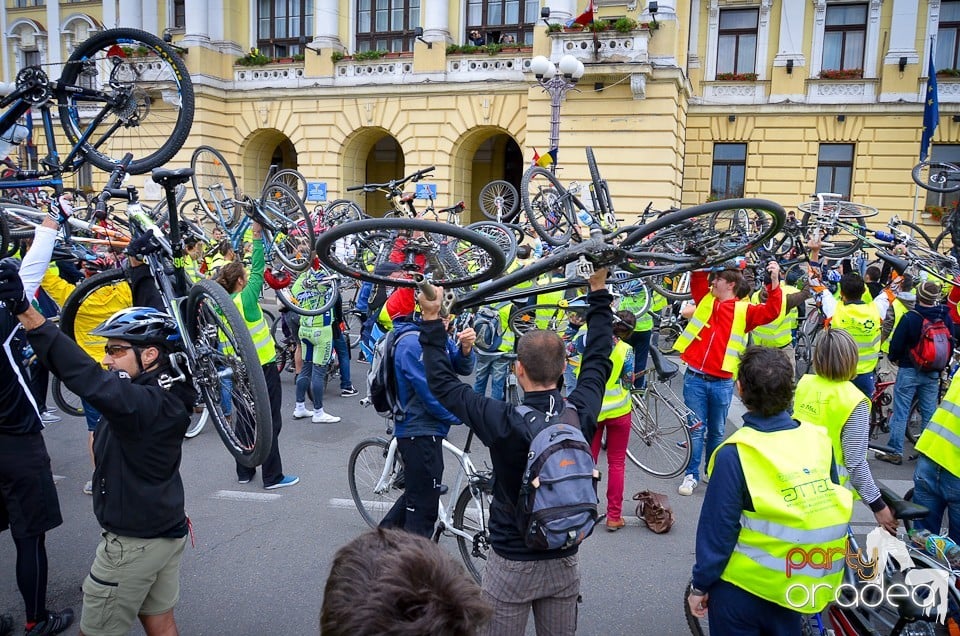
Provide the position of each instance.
(393, 363)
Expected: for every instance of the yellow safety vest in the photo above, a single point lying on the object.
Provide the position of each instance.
(509, 339)
(899, 310)
(778, 333)
(796, 508)
(828, 404)
(543, 316)
(736, 343)
(191, 268)
(862, 322)
(259, 333)
(616, 398)
(940, 440)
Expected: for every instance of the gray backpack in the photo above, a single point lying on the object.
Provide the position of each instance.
(557, 505)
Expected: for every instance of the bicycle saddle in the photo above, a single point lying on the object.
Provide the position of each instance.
(459, 207)
(164, 176)
(902, 509)
(407, 197)
(666, 369)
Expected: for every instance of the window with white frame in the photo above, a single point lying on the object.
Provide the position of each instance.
(737, 41)
(948, 36)
(387, 25)
(844, 37)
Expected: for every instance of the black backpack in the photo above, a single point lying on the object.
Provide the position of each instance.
(557, 504)
(382, 376)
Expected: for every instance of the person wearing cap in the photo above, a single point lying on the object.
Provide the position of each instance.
(711, 345)
(424, 424)
(913, 382)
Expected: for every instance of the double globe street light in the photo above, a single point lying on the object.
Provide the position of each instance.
(556, 80)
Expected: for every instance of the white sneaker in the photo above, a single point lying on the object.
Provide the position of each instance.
(687, 486)
(325, 418)
(301, 411)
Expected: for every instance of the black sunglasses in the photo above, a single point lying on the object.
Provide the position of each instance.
(115, 350)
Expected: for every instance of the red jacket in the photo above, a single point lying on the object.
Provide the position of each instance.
(705, 353)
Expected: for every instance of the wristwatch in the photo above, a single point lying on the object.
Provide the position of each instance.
(695, 592)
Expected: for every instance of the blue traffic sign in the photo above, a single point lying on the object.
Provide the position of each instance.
(316, 191)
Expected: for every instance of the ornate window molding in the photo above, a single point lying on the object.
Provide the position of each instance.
(713, 34)
(871, 44)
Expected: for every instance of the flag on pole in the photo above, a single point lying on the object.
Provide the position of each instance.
(584, 18)
(536, 157)
(931, 109)
(547, 159)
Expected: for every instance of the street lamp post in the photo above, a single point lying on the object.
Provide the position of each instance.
(556, 80)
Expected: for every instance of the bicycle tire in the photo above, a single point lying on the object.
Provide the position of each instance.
(839, 249)
(288, 300)
(937, 176)
(501, 235)
(279, 342)
(152, 107)
(353, 320)
(664, 286)
(467, 247)
(693, 623)
(550, 211)
(341, 211)
(247, 432)
(524, 319)
(159, 212)
(5, 242)
(211, 173)
(363, 472)
(668, 338)
(292, 238)
(655, 429)
(75, 305)
(293, 180)
(918, 233)
(914, 423)
(690, 239)
(598, 192)
(472, 515)
(65, 399)
(499, 201)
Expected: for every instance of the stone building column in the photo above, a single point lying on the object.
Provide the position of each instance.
(196, 30)
(131, 13)
(54, 39)
(563, 10)
(790, 44)
(903, 33)
(436, 21)
(326, 19)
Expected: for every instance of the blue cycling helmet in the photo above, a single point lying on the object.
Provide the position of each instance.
(140, 326)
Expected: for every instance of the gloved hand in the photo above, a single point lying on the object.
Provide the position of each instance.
(142, 245)
(11, 287)
(60, 211)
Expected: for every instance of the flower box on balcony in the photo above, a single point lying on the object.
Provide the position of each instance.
(948, 72)
(842, 74)
(736, 77)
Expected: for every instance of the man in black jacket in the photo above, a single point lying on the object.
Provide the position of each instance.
(516, 577)
(137, 490)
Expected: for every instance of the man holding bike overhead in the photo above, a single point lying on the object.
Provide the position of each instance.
(711, 345)
(517, 577)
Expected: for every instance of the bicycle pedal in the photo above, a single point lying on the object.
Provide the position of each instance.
(584, 267)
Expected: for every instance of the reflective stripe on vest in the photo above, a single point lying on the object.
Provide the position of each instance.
(616, 399)
(543, 317)
(737, 341)
(779, 332)
(828, 404)
(862, 322)
(940, 440)
(191, 268)
(259, 333)
(899, 310)
(796, 507)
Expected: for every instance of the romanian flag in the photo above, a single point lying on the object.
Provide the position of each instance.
(536, 157)
(547, 159)
(584, 18)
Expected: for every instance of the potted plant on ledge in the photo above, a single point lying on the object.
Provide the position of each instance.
(736, 77)
(254, 58)
(842, 74)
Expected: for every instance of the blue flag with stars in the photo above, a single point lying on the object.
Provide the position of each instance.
(931, 110)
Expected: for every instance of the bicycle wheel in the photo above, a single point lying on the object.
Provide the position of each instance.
(214, 184)
(917, 233)
(448, 255)
(659, 438)
(668, 338)
(290, 224)
(499, 201)
(316, 294)
(341, 211)
(471, 514)
(126, 91)
(293, 180)
(672, 286)
(228, 373)
(91, 302)
(65, 399)
(803, 355)
(599, 193)
(279, 343)
(943, 244)
(692, 621)
(547, 206)
(838, 241)
(500, 235)
(700, 236)
(914, 423)
(364, 470)
(353, 320)
(936, 176)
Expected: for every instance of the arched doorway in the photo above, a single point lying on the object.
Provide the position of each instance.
(264, 148)
(484, 155)
(371, 155)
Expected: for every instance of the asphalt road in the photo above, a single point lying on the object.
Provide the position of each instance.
(261, 557)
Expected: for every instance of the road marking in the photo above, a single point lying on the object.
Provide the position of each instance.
(57, 478)
(369, 505)
(241, 495)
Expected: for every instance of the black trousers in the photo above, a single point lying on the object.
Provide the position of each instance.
(272, 466)
(416, 509)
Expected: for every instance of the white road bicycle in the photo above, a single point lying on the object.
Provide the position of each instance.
(375, 473)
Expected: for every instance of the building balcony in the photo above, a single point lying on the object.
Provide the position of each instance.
(289, 75)
(604, 47)
(842, 91)
(948, 89)
(736, 92)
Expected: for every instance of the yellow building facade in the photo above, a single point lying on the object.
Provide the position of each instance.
(681, 100)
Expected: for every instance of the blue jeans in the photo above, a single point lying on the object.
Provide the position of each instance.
(640, 341)
(493, 368)
(343, 356)
(710, 400)
(866, 382)
(911, 382)
(938, 489)
(314, 375)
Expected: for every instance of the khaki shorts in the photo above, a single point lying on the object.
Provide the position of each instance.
(130, 577)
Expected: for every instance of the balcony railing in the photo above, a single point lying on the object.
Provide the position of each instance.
(611, 47)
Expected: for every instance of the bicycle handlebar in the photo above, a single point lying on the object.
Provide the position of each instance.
(394, 183)
(111, 190)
